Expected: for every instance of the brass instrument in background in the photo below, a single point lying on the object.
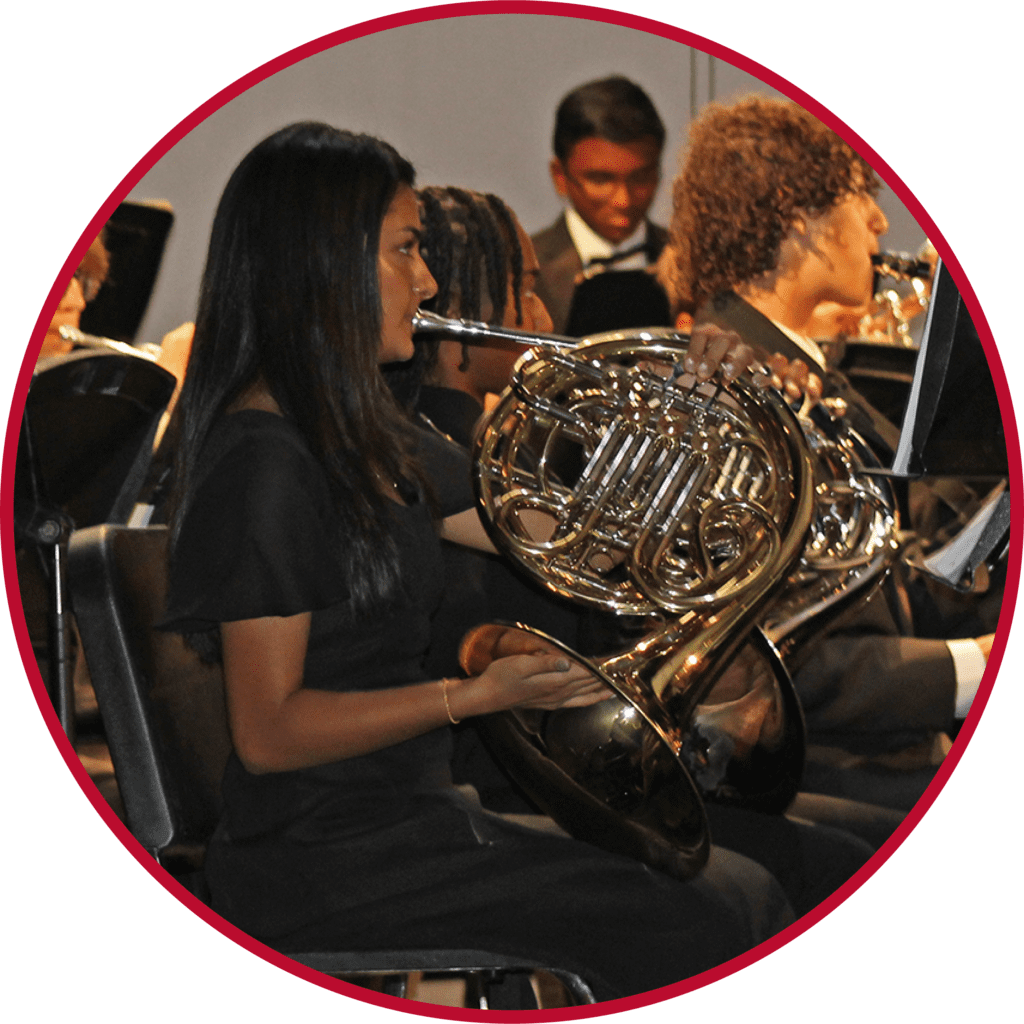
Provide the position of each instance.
(83, 340)
(895, 311)
(852, 545)
(685, 503)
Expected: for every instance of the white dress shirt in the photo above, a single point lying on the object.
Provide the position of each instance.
(591, 246)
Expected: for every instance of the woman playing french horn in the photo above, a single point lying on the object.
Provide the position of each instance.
(305, 555)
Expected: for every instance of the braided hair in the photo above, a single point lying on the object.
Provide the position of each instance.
(472, 248)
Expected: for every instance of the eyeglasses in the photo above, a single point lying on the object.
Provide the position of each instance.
(601, 185)
(89, 284)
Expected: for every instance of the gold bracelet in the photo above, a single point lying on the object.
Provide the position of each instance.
(447, 706)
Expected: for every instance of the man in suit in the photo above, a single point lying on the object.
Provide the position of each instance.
(773, 215)
(608, 142)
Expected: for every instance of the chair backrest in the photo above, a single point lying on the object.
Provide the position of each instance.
(163, 709)
(617, 300)
(166, 725)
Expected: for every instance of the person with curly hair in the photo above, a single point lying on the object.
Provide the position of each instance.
(774, 214)
(772, 203)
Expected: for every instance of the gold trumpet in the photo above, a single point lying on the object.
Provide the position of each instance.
(685, 503)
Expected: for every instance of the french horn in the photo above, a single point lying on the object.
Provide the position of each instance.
(685, 503)
(851, 547)
(896, 311)
(852, 543)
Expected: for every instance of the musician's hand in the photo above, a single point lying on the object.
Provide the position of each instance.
(713, 350)
(985, 643)
(746, 703)
(748, 670)
(794, 379)
(517, 668)
(175, 349)
(541, 681)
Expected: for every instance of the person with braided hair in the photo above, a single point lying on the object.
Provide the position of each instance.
(493, 277)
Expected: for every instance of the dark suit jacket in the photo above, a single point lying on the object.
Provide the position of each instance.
(730, 311)
(560, 265)
(864, 683)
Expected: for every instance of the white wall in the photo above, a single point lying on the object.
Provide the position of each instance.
(469, 100)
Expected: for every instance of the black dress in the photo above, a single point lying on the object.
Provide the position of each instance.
(381, 851)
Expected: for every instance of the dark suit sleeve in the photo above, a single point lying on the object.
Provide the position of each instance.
(875, 684)
(866, 676)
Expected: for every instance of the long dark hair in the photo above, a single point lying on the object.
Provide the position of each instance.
(471, 246)
(290, 299)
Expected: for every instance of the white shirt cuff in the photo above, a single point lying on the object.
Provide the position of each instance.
(969, 667)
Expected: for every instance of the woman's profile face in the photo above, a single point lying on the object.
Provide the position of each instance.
(404, 279)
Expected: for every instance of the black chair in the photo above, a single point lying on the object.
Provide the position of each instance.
(167, 729)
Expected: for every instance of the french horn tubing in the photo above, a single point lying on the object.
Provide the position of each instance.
(852, 542)
(852, 545)
(687, 503)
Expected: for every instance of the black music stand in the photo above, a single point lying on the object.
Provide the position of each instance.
(86, 442)
(135, 237)
(882, 373)
(953, 427)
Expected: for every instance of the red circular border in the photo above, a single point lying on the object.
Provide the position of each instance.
(465, 10)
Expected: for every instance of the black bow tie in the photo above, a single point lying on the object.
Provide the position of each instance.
(617, 257)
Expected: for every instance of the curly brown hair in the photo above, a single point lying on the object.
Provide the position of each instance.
(750, 170)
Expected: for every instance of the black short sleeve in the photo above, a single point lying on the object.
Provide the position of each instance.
(260, 537)
(448, 469)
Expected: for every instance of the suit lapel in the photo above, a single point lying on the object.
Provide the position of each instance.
(560, 266)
